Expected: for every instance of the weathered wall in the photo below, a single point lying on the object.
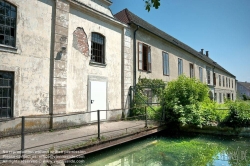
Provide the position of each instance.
(99, 5)
(31, 61)
(78, 64)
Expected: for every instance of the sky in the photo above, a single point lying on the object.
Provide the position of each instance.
(221, 27)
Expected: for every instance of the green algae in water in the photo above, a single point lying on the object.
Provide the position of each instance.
(175, 151)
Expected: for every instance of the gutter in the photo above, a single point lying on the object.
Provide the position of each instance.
(134, 56)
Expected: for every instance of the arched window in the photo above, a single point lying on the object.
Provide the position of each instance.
(97, 48)
(7, 24)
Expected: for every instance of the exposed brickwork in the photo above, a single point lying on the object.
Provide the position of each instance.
(80, 41)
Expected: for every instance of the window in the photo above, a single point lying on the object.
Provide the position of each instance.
(165, 60)
(7, 24)
(229, 82)
(191, 70)
(208, 76)
(223, 81)
(232, 83)
(97, 48)
(220, 99)
(226, 82)
(180, 66)
(144, 57)
(215, 97)
(214, 78)
(201, 74)
(232, 96)
(219, 80)
(6, 94)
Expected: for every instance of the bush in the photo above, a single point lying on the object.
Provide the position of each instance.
(239, 114)
(182, 98)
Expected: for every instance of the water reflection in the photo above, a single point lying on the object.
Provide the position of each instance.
(175, 151)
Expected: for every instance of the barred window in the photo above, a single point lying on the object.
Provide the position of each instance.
(6, 94)
(7, 24)
(98, 48)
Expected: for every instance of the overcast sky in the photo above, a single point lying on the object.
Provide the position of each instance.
(221, 27)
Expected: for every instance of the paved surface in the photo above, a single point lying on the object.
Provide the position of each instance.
(39, 144)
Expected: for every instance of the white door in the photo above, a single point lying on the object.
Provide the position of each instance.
(98, 99)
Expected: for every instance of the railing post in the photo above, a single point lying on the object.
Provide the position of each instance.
(98, 119)
(22, 137)
(146, 121)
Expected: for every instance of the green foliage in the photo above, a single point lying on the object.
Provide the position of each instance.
(214, 113)
(239, 114)
(182, 99)
(155, 113)
(140, 99)
(156, 85)
(245, 97)
(150, 3)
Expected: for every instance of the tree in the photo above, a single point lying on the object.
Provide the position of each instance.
(182, 99)
(152, 3)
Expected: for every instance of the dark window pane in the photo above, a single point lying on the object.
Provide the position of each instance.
(13, 14)
(13, 8)
(7, 6)
(7, 21)
(2, 20)
(1, 29)
(4, 102)
(5, 92)
(7, 12)
(12, 22)
(7, 31)
(8, 103)
(7, 42)
(1, 92)
(12, 43)
(2, 39)
(5, 82)
(2, 10)
(12, 32)
(1, 3)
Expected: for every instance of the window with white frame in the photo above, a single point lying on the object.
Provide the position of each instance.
(144, 57)
(180, 66)
(201, 74)
(191, 70)
(208, 75)
(165, 59)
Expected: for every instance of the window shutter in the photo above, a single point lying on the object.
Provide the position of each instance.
(140, 56)
(149, 59)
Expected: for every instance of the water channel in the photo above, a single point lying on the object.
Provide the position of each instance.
(178, 150)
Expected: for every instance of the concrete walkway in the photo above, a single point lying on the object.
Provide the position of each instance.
(39, 144)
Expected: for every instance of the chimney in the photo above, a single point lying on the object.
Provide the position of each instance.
(207, 53)
(202, 51)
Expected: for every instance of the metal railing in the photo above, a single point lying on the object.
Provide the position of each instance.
(112, 117)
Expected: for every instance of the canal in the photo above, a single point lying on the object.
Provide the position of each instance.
(174, 150)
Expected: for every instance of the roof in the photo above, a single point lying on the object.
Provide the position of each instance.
(128, 17)
(245, 84)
